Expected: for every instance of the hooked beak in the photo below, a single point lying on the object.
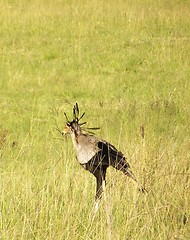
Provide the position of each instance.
(66, 130)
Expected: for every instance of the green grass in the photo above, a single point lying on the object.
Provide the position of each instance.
(127, 65)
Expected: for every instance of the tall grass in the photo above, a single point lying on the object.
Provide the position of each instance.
(127, 65)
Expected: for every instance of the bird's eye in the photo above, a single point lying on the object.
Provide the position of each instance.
(68, 124)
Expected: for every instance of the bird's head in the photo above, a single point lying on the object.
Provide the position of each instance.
(74, 126)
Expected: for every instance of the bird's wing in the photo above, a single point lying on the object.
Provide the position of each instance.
(110, 153)
(109, 149)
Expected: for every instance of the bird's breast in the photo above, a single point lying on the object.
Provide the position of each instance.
(85, 154)
(85, 149)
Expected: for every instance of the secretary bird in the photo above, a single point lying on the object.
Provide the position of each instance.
(94, 154)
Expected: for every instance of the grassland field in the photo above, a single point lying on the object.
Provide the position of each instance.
(127, 64)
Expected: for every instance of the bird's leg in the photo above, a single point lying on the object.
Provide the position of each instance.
(104, 189)
(100, 187)
(107, 209)
(96, 207)
(99, 190)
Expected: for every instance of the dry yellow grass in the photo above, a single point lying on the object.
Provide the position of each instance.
(127, 64)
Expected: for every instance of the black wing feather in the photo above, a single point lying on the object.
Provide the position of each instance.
(111, 156)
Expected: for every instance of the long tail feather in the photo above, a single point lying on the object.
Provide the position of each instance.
(130, 174)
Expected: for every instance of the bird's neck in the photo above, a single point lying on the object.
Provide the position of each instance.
(74, 137)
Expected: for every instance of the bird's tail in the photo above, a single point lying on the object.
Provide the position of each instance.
(130, 174)
(123, 165)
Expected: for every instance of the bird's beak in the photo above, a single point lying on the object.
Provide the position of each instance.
(66, 130)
